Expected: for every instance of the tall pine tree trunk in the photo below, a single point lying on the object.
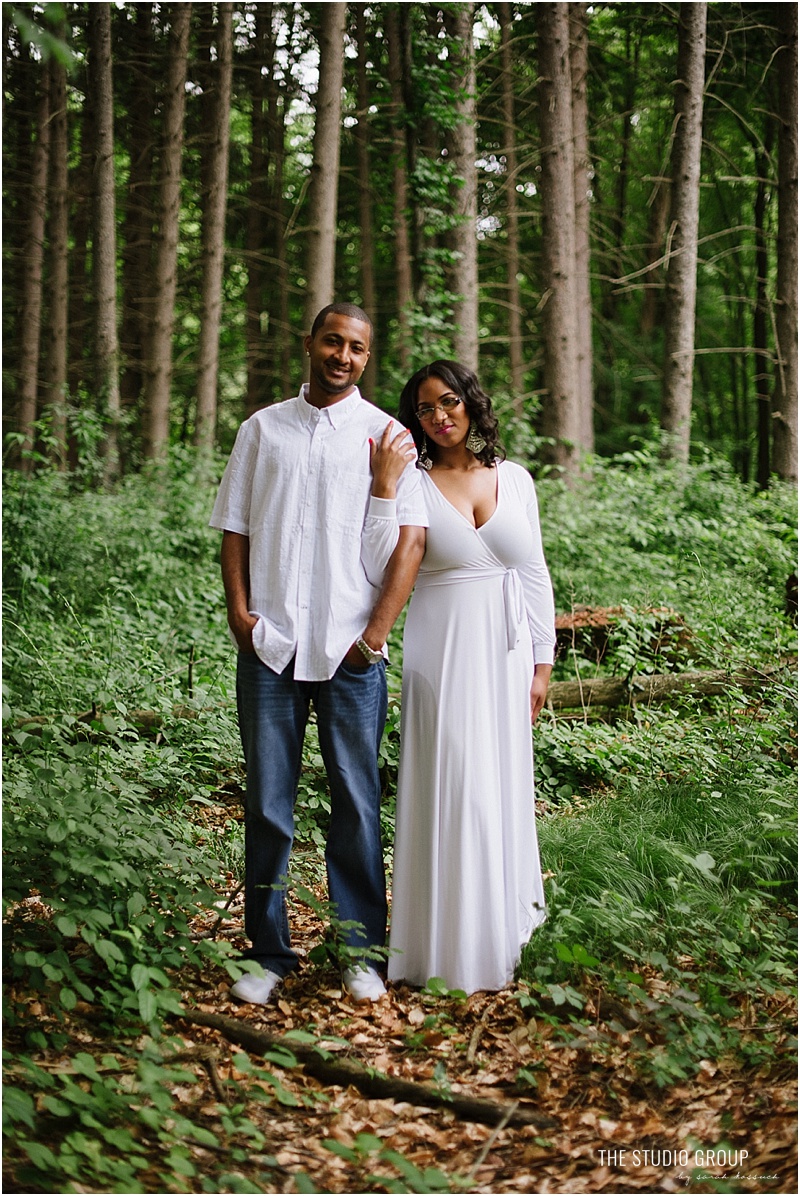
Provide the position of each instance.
(158, 366)
(618, 221)
(281, 338)
(579, 69)
(515, 359)
(784, 406)
(415, 139)
(138, 221)
(55, 377)
(80, 235)
(365, 198)
(681, 287)
(760, 339)
(256, 235)
(464, 277)
(213, 246)
(31, 289)
(104, 236)
(560, 405)
(323, 189)
(402, 239)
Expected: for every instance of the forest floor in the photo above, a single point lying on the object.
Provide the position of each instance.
(599, 1109)
(610, 1131)
(604, 1128)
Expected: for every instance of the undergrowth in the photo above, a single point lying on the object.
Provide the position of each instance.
(669, 834)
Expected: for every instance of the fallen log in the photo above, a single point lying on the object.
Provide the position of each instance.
(343, 1072)
(145, 720)
(606, 692)
(591, 630)
(647, 689)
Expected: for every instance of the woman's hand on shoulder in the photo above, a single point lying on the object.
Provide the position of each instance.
(541, 680)
(388, 458)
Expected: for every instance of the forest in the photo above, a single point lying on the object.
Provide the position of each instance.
(595, 207)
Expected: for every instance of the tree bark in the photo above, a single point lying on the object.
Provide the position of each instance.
(139, 216)
(31, 290)
(280, 330)
(158, 366)
(560, 406)
(402, 239)
(257, 214)
(681, 285)
(784, 407)
(579, 69)
(365, 198)
(213, 246)
(416, 129)
(104, 235)
(344, 1072)
(323, 188)
(458, 22)
(648, 689)
(760, 337)
(55, 377)
(515, 358)
(617, 220)
(79, 328)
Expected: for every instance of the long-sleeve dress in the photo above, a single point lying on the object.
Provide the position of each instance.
(467, 886)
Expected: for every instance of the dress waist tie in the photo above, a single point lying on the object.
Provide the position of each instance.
(513, 596)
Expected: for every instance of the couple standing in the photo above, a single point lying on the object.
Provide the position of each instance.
(329, 516)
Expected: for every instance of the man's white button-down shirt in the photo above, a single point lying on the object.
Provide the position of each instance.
(298, 485)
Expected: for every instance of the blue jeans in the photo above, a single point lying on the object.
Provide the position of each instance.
(351, 713)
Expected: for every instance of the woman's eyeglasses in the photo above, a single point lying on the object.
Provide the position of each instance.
(445, 404)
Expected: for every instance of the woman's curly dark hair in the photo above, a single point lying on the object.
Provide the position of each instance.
(465, 383)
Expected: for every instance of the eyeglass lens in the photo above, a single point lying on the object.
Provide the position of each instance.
(445, 404)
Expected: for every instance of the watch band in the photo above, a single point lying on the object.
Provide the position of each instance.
(368, 653)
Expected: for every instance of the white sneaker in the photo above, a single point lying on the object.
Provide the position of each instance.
(256, 990)
(364, 984)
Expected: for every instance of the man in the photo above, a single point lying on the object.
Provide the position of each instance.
(310, 612)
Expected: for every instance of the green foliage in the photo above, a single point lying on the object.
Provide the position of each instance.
(671, 839)
(342, 945)
(367, 1150)
(42, 31)
(695, 883)
(115, 893)
(643, 534)
(99, 1121)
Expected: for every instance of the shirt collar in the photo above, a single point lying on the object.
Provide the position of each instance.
(336, 414)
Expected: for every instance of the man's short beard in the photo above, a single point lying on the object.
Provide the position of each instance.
(328, 386)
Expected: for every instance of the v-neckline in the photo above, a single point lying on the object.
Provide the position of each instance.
(461, 514)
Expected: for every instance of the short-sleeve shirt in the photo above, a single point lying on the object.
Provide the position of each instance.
(298, 485)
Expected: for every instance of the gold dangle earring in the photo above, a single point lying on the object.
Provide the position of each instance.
(425, 460)
(474, 442)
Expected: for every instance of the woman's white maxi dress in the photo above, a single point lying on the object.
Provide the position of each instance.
(467, 884)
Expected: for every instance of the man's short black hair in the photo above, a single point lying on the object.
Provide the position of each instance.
(342, 309)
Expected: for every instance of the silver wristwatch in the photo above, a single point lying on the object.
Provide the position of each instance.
(368, 653)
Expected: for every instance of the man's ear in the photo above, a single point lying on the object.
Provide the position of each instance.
(307, 345)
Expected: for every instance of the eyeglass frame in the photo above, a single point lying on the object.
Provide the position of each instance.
(430, 410)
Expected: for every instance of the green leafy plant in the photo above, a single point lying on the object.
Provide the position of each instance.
(340, 946)
(367, 1150)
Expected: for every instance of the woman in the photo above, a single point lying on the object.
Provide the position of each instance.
(477, 656)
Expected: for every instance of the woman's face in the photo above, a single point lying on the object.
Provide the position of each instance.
(445, 426)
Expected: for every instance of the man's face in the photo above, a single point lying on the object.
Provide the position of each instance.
(339, 352)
